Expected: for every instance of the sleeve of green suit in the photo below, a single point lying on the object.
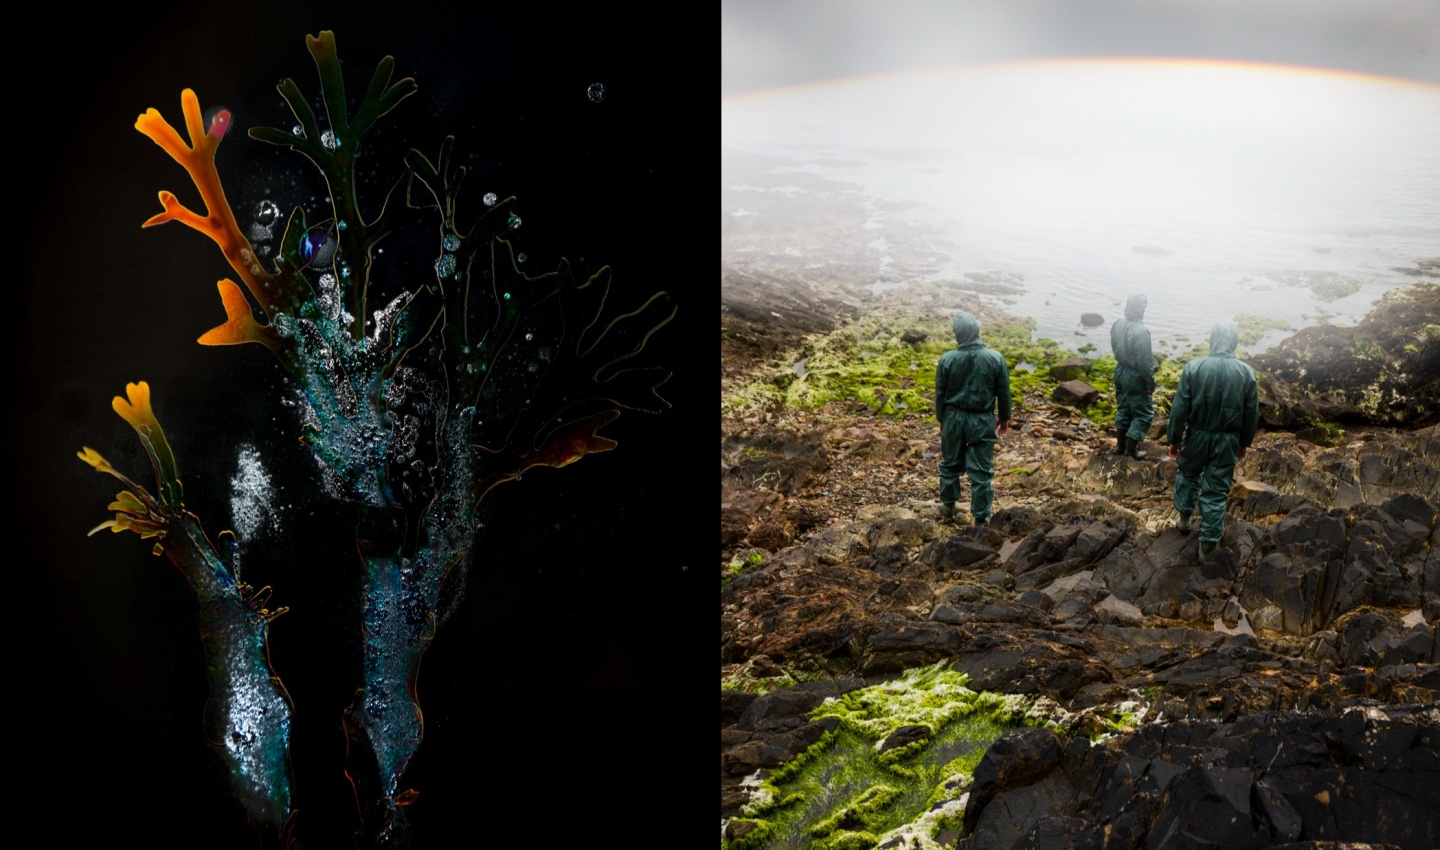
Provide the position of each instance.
(1144, 354)
(1252, 413)
(1002, 388)
(1179, 409)
(941, 389)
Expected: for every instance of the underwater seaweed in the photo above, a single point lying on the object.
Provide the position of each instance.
(462, 381)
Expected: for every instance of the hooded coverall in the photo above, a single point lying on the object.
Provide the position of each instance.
(1214, 416)
(1134, 372)
(970, 381)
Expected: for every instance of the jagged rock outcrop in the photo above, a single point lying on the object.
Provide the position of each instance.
(1385, 370)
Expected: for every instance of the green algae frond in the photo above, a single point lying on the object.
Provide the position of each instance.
(844, 792)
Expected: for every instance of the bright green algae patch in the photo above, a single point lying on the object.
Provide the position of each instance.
(866, 361)
(843, 793)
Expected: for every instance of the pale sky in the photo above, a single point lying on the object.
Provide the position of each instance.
(769, 43)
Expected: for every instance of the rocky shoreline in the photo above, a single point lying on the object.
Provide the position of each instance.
(1282, 693)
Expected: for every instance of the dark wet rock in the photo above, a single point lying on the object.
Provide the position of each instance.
(769, 535)
(785, 463)
(1358, 777)
(958, 553)
(1385, 370)
(1013, 522)
(773, 750)
(1075, 394)
(1028, 664)
(1092, 320)
(904, 736)
(732, 705)
(1096, 540)
(914, 337)
(1070, 369)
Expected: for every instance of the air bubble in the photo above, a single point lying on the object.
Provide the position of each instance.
(342, 224)
(490, 199)
(513, 221)
(267, 212)
(529, 337)
(328, 139)
(445, 266)
(507, 296)
(596, 92)
(451, 242)
(520, 258)
(297, 131)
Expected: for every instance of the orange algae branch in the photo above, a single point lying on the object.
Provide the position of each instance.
(240, 325)
(198, 158)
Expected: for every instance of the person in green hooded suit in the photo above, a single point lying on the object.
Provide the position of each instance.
(1134, 379)
(972, 382)
(1212, 421)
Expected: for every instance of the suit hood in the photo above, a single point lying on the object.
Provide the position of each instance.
(1223, 338)
(966, 327)
(1135, 307)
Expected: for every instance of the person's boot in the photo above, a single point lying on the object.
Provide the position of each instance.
(947, 511)
(982, 521)
(1120, 440)
(1183, 525)
(1206, 547)
(1132, 449)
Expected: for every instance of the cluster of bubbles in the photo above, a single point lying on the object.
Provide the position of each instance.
(596, 92)
(490, 199)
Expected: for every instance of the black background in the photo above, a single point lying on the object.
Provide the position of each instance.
(561, 697)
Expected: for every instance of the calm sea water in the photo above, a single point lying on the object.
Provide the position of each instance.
(1216, 189)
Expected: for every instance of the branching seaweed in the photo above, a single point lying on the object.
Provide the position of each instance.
(462, 381)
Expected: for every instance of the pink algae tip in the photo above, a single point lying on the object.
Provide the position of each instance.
(220, 123)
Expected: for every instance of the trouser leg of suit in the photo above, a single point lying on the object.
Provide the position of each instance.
(1133, 414)
(967, 442)
(1204, 475)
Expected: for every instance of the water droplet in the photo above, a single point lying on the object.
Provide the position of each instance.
(451, 242)
(520, 258)
(513, 221)
(490, 199)
(596, 92)
(445, 266)
(328, 139)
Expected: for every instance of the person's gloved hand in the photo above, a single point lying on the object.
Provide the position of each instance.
(1003, 426)
(1175, 450)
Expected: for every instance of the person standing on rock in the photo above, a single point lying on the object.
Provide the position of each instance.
(1212, 421)
(1134, 379)
(971, 383)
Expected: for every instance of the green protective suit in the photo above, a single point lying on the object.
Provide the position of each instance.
(1134, 372)
(1214, 416)
(970, 382)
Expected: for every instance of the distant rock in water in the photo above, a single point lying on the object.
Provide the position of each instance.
(1092, 320)
(1385, 370)
(1150, 250)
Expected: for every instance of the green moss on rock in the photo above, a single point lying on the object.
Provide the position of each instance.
(842, 792)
